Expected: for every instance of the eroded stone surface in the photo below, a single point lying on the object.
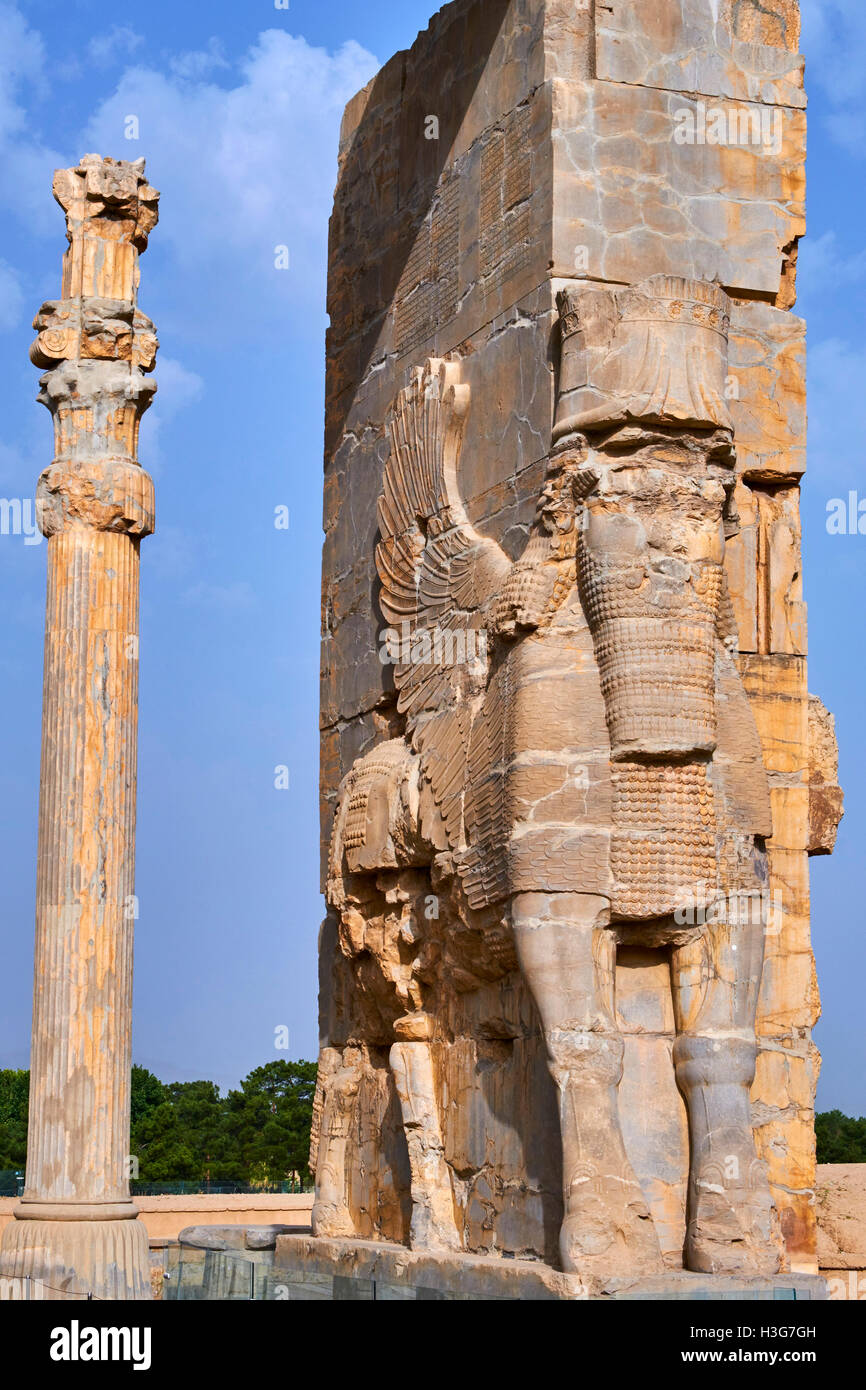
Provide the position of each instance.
(826, 798)
(566, 425)
(718, 48)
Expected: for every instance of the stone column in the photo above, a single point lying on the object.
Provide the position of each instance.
(76, 1226)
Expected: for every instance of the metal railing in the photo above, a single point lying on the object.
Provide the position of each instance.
(12, 1185)
(27, 1289)
(196, 1188)
(11, 1182)
(221, 1276)
(227, 1276)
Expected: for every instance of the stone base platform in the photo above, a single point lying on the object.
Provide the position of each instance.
(67, 1260)
(309, 1268)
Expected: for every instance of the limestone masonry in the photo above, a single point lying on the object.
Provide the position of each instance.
(571, 770)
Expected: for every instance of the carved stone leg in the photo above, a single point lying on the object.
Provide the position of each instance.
(433, 1225)
(567, 956)
(732, 1224)
(332, 1215)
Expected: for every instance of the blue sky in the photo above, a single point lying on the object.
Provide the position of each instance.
(239, 108)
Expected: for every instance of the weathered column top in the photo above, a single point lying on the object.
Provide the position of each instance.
(110, 211)
(99, 349)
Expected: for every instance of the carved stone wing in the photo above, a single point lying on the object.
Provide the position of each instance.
(438, 576)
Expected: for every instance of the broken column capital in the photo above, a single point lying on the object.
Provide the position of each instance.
(111, 210)
(100, 189)
(93, 329)
(97, 408)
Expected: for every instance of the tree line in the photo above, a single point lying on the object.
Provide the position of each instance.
(186, 1131)
(841, 1139)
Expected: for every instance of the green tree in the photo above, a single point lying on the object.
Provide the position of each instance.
(187, 1132)
(202, 1113)
(161, 1147)
(185, 1138)
(840, 1138)
(147, 1092)
(14, 1098)
(271, 1116)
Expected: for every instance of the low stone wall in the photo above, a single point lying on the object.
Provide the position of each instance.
(840, 1200)
(165, 1217)
(841, 1205)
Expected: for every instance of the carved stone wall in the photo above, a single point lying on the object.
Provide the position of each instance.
(578, 148)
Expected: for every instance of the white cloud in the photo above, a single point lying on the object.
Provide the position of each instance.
(11, 298)
(837, 413)
(178, 387)
(197, 65)
(26, 163)
(117, 43)
(822, 266)
(834, 44)
(22, 56)
(243, 168)
(245, 155)
(244, 165)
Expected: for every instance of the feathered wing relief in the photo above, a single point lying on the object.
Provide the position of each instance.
(439, 576)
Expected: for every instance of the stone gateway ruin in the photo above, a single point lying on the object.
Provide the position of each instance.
(571, 770)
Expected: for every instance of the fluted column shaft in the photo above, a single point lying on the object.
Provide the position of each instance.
(81, 1054)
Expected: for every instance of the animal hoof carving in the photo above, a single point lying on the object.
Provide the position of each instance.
(609, 1234)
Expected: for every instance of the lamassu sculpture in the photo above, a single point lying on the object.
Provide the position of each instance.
(581, 771)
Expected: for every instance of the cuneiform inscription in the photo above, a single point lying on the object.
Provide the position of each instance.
(428, 290)
(506, 186)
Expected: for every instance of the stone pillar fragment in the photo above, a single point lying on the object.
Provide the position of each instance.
(76, 1228)
(433, 1226)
